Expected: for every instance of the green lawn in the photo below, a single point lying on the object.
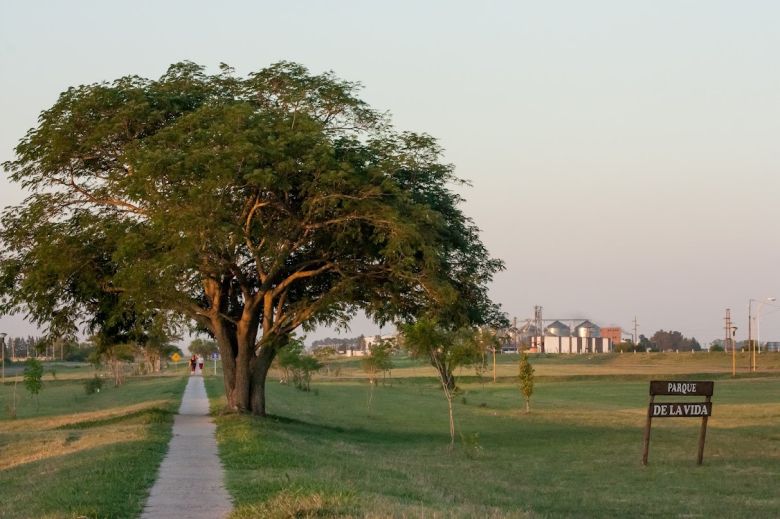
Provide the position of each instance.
(578, 454)
(79, 455)
(324, 453)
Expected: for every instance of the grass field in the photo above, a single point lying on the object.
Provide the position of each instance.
(565, 366)
(79, 455)
(578, 454)
(325, 453)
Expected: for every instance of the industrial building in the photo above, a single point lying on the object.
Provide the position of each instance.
(555, 336)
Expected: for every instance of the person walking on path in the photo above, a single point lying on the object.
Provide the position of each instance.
(191, 479)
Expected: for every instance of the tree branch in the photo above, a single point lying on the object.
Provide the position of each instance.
(301, 274)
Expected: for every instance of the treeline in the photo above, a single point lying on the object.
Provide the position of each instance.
(38, 347)
(661, 340)
(673, 341)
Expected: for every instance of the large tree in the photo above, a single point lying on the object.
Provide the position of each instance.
(247, 207)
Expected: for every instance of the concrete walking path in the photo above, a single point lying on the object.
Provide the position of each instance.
(191, 480)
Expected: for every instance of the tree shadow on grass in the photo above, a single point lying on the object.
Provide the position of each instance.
(361, 435)
(151, 415)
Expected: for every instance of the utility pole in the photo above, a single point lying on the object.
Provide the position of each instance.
(635, 336)
(750, 337)
(494, 363)
(730, 332)
(539, 324)
(2, 344)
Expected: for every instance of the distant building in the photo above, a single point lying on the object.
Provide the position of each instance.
(370, 340)
(613, 333)
(561, 335)
(571, 344)
(558, 337)
(364, 343)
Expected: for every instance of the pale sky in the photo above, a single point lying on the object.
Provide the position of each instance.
(624, 155)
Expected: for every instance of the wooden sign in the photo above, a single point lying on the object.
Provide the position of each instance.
(701, 410)
(681, 410)
(680, 388)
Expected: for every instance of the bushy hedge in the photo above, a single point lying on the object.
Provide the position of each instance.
(93, 385)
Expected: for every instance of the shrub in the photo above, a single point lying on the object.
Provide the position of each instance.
(526, 380)
(93, 385)
(33, 378)
(80, 354)
(297, 366)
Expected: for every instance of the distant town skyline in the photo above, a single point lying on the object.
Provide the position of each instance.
(623, 155)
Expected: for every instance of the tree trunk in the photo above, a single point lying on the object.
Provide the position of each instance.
(241, 383)
(452, 420)
(447, 379)
(227, 351)
(245, 361)
(244, 371)
(260, 367)
(371, 384)
(445, 374)
(153, 359)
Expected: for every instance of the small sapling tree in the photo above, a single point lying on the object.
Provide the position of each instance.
(324, 354)
(288, 359)
(155, 344)
(297, 365)
(93, 385)
(488, 344)
(446, 350)
(526, 381)
(33, 378)
(116, 356)
(308, 365)
(377, 361)
(11, 406)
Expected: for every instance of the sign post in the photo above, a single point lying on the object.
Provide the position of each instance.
(215, 356)
(701, 410)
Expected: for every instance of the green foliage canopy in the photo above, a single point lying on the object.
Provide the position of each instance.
(447, 348)
(379, 360)
(247, 206)
(672, 340)
(33, 376)
(203, 347)
(297, 365)
(526, 377)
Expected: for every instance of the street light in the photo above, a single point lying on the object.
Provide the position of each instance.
(2, 345)
(761, 303)
(731, 333)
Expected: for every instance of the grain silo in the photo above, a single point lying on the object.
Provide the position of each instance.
(587, 329)
(557, 329)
